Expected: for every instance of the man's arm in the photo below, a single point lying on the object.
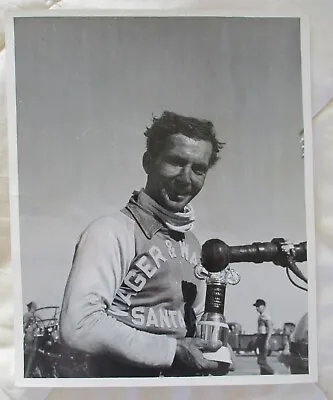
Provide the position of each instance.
(269, 327)
(26, 320)
(100, 264)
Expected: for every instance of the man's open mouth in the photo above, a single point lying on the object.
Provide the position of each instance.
(175, 196)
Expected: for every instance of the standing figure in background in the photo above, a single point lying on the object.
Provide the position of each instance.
(265, 330)
(288, 329)
(30, 328)
(29, 317)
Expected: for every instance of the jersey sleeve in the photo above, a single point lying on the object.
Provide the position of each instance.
(101, 261)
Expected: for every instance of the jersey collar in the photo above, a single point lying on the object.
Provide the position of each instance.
(146, 220)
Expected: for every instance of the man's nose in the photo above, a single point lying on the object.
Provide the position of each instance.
(185, 176)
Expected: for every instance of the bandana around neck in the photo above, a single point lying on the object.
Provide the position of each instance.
(182, 221)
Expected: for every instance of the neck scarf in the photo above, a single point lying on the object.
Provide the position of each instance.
(182, 221)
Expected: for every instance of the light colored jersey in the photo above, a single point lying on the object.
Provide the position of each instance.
(125, 292)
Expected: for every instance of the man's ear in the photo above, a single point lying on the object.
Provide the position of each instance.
(147, 163)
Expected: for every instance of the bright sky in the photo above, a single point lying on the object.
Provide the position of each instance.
(86, 90)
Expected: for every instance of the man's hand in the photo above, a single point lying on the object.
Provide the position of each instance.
(189, 354)
(288, 250)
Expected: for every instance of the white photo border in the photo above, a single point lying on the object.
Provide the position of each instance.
(20, 380)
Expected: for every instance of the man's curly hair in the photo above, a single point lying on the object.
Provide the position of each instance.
(170, 123)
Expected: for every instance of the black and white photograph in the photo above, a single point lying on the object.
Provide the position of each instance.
(161, 199)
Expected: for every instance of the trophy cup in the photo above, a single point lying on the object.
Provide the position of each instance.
(214, 268)
(213, 326)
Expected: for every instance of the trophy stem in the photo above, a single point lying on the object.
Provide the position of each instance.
(215, 297)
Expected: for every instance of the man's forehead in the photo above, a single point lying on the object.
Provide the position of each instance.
(179, 140)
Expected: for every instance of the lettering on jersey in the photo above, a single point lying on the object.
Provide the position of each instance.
(184, 252)
(157, 255)
(144, 268)
(135, 281)
(138, 316)
(171, 249)
(157, 317)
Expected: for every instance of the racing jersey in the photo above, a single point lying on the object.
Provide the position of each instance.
(127, 292)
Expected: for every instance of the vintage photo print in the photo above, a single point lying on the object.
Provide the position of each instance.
(161, 199)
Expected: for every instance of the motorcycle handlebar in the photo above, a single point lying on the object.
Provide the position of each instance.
(216, 254)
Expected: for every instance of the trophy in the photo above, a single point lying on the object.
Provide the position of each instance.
(214, 268)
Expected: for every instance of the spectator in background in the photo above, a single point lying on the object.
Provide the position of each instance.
(265, 330)
(29, 316)
(288, 329)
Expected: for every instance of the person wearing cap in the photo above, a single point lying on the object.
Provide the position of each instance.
(265, 330)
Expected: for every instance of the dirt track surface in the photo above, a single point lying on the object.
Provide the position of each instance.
(247, 365)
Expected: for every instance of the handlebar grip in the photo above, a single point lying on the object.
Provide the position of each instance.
(216, 254)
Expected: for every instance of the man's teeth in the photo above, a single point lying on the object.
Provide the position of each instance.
(175, 196)
(179, 196)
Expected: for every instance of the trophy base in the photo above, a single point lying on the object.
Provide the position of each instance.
(221, 355)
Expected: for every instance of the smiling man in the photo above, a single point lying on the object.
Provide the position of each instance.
(132, 299)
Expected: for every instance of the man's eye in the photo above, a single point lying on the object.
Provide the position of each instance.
(199, 171)
(175, 161)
